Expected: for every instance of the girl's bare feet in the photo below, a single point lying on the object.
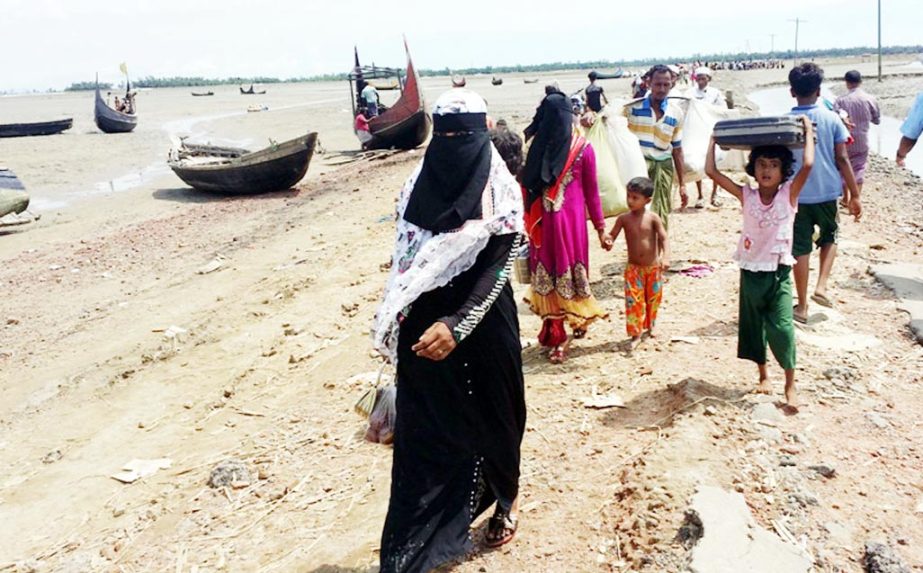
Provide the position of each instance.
(764, 387)
(791, 400)
(791, 397)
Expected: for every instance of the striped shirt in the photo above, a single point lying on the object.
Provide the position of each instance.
(862, 109)
(658, 138)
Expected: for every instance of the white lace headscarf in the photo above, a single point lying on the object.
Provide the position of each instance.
(423, 261)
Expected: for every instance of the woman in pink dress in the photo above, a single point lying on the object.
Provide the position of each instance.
(560, 188)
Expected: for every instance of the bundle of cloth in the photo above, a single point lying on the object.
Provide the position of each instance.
(618, 157)
(698, 124)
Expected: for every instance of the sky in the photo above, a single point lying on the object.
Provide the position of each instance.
(51, 43)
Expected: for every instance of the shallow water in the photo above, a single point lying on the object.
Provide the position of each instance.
(83, 163)
(883, 139)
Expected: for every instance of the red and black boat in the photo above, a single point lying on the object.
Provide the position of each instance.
(403, 125)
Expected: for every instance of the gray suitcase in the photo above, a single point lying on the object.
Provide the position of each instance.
(753, 132)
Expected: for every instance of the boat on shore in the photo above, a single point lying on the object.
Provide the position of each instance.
(250, 91)
(236, 171)
(109, 120)
(613, 76)
(496, 81)
(403, 125)
(203, 94)
(530, 81)
(35, 128)
(13, 196)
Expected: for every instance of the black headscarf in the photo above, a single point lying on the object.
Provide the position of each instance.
(552, 127)
(455, 170)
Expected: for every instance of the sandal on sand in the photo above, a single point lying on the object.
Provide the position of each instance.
(501, 529)
(715, 202)
(579, 333)
(799, 318)
(822, 300)
(699, 204)
(557, 356)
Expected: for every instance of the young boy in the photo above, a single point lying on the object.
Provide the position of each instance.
(817, 204)
(648, 257)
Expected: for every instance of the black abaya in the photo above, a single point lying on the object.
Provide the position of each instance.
(460, 421)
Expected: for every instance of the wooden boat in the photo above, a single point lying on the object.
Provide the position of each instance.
(110, 121)
(530, 81)
(387, 85)
(13, 196)
(496, 81)
(250, 91)
(203, 94)
(238, 172)
(212, 151)
(37, 128)
(613, 76)
(403, 125)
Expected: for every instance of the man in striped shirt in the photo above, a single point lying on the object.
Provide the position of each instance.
(862, 109)
(657, 122)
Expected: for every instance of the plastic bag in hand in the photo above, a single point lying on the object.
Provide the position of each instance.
(381, 420)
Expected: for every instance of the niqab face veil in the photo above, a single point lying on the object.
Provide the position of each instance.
(456, 165)
(552, 128)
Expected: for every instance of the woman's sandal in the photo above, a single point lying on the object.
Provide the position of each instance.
(501, 529)
(557, 356)
(579, 333)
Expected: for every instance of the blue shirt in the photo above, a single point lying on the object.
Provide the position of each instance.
(824, 183)
(913, 125)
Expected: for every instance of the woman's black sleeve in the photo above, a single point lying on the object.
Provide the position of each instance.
(499, 255)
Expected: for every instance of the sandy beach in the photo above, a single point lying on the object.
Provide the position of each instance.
(143, 320)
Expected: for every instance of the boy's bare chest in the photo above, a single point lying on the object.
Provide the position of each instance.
(640, 228)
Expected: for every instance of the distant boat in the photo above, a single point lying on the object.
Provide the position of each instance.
(530, 81)
(392, 84)
(37, 128)
(250, 91)
(404, 125)
(257, 107)
(110, 121)
(613, 76)
(202, 94)
(239, 172)
(13, 196)
(496, 81)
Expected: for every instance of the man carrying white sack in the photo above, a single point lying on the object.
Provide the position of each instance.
(712, 96)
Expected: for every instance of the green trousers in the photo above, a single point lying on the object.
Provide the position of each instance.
(661, 173)
(766, 316)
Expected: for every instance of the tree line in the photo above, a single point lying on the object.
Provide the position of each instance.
(183, 81)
